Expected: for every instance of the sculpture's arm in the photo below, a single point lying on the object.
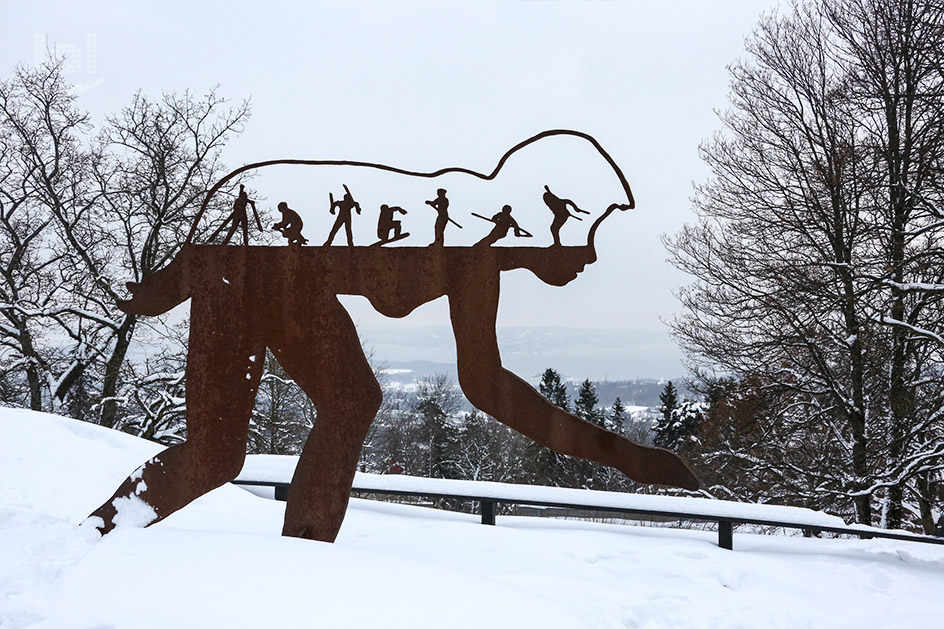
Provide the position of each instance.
(162, 291)
(473, 306)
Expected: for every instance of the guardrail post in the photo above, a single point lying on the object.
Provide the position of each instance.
(726, 534)
(281, 492)
(487, 509)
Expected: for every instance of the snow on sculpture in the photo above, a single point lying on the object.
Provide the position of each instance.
(246, 299)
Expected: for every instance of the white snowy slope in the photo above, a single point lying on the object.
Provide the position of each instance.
(221, 563)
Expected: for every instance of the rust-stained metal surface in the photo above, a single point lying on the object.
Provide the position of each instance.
(246, 299)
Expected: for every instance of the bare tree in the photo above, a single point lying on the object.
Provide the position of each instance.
(793, 255)
(895, 55)
(81, 215)
(44, 168)
(160, 158)
(283, 415)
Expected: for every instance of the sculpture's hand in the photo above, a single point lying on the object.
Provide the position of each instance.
(162, 291)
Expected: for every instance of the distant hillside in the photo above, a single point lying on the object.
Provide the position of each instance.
(528, 351)
(640, 392)
(630, 392)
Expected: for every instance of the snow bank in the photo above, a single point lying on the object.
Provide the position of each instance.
(220, 562)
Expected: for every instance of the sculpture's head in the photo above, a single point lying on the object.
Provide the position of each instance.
(569, 165)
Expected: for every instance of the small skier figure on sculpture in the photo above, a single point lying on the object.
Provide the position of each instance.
(441, 205)
(559, 208)
(503, 222)
(290, 226)
(387, 223)
(239, 218)
(343, 208)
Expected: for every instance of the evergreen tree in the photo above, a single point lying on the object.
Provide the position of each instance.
(669, 399)
(617, 419)
(681, 425)
(586, 405)
(438, 401)
(544, 466)
(554, 389)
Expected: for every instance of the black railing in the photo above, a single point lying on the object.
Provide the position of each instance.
(487, 508)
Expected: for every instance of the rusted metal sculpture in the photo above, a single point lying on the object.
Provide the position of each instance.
(246, 299)
(290, 226)
(239, 218)
(386, 223)
(503, 222)
(441, 205)
(343, 208)
(558, 207)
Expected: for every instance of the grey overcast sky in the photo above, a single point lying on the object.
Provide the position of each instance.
(431, 84)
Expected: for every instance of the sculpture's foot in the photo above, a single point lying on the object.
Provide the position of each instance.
(304, 528)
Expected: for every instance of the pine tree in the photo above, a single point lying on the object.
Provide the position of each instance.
(554, 389)
(437, 404)
(543, 465)
(670, 401)
(617, 419)
(681, 425)
(586, 405)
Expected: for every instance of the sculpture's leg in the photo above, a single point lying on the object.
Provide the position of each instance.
(473, 306)
(559, 220)
(319, 348)
(334, 230)
(219, 229)
(224, 365)
(440, 230)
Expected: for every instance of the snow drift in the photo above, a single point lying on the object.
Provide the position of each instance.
(221, 561)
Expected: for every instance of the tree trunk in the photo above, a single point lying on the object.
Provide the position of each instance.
(899, 410)
(33, 380)
(924, 503)
(112, 378)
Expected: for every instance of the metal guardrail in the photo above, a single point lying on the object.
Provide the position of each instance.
(726, 525)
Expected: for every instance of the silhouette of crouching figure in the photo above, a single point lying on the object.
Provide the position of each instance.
(290, 226)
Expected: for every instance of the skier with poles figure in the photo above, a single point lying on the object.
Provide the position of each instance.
(239, 218)
(503, 222)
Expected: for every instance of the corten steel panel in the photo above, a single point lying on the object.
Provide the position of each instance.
(246, 299)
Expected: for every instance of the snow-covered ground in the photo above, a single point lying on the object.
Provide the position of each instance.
(221, 562)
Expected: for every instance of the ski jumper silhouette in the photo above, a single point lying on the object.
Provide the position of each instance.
(558, 207)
